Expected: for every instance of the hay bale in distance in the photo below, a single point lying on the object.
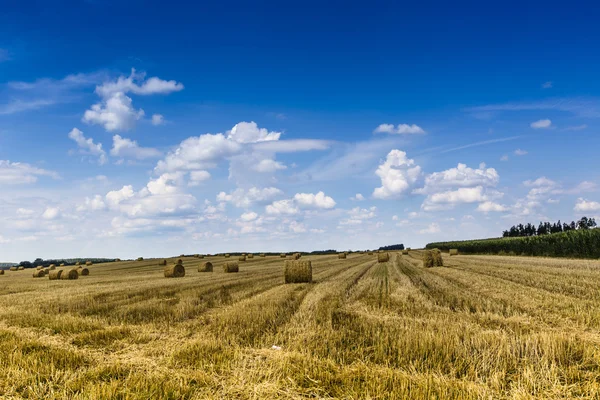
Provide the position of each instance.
(370, 253)
(179, 262)
(437, 258)
(55, 274)
(342, 256)
(1, 272)
(205, 267)
(69, 274)
(296, 256)
(52, 268)
(78, 263)
(227, 255)
(62, 265)
(39, 267)
(428, 259)
(15, 268)
(174, 271)
(282, 255)
(231, 267)
(140, 259)
(263, 255)
(383, 257)
(88, 263)
(20, 268)
(163, 262)
(453, 252)
(297, 271)
(83, 271)
(250, 255)
(242, 258)
(40, 273)
(117, 260)
(404, 252)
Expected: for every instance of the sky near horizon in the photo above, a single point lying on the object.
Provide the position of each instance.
(149, 129)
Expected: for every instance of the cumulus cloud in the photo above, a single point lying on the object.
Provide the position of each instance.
(157, 119)
(490, 206)
(137, 84)
(197, 177)
(584, 205)
(282, 207)
(400, 129)
(245, 198)
(95, 203)
(268, 165)
(51, 213)
(116, 197)
(461, 176)
(248, 216)
(358, 197)
(16, 173)
(541, 124)
(249, 132)
(87, 145)
(357, 215)
(398, 173)
(504, 158)
(448, 199)
(310, 200)
(432, 228)
(127, 148)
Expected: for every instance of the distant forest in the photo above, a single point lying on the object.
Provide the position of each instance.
(547, 228)
(393, 247)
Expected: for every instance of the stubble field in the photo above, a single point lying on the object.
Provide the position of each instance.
(481, 327)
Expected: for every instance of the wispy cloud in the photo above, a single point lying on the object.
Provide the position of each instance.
(576, 128)
(547, 85)
(17, 106)
(541, 124)
(519, 152)
(588, 107)
(467, 146)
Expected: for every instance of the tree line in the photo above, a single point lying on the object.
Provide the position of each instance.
(547, 228)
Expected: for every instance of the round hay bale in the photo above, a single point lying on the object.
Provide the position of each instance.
(83, 271)
(179, 262)
(40, 273)
(342, 256)
(227, 255)
(282, 255)
(39, 267)
(242, 258)
(88, 263)
(205, 267)
(370, 253)
(62, 265)
(438, 261)
(250, 255)
(296, 256)
(78, 263)
(55, 274)
(21, 268)
(404, 252)
(52, 268)
(231, 267)
(182, 255)
(1, 272)
(428, 259)
(453, 252)
(140, 259)
(117, 260)
(15, 268)
(297, 271)
(174, 271)
(383, 257)
(263, 255)
(162, 263)
(69, 274)
(52, 265)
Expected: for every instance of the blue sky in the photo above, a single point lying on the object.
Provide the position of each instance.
(143, 128)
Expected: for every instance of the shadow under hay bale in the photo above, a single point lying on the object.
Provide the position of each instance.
(453, 252)
(40, 273)
(55, 274)
(83, 271)
(174, 271)
(205, 267)
(342, 256)
(231, 267)
(383, 257)
(68, 275)
(297, 271)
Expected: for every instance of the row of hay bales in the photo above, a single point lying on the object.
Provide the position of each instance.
(178, 270)
(62, 274)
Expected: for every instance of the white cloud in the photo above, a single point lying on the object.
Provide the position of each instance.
(167, 183)
(16, 173)
(519, 152)
(450, 198)
(157, 119)
(87, 146)
(268, 165)
(249, 132)
(249, 216)
(357, 215)
(576, 128)
(547, 85)
(432, 228)
(282, 207)
(51, 213)
(319, 200)
(461, 176)
(25, 212)
(136, 84)
(398, 173)
(401, 129)
(541, 124)
(297, 227)
(540, 182)
(358, 197)
(584, 205)
(116, 197)
(197, 177)
(244, 199)
(95, 203)
(291, 146)
(489, 206)
(123, 147)
(504, 158)
(114, 113)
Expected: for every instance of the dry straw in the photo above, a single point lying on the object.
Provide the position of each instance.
(175, 271)
(438, 261)
(383, 257)
(205, 267)
(78, 263)
(432, 258)
(39, 267)
(68, 275)
(55, 274)
(52, 268)
(370, 253)
(62, 265)
(453, 252)
(342, 255)
(298, 271)
(179, 262)
(231, 267)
